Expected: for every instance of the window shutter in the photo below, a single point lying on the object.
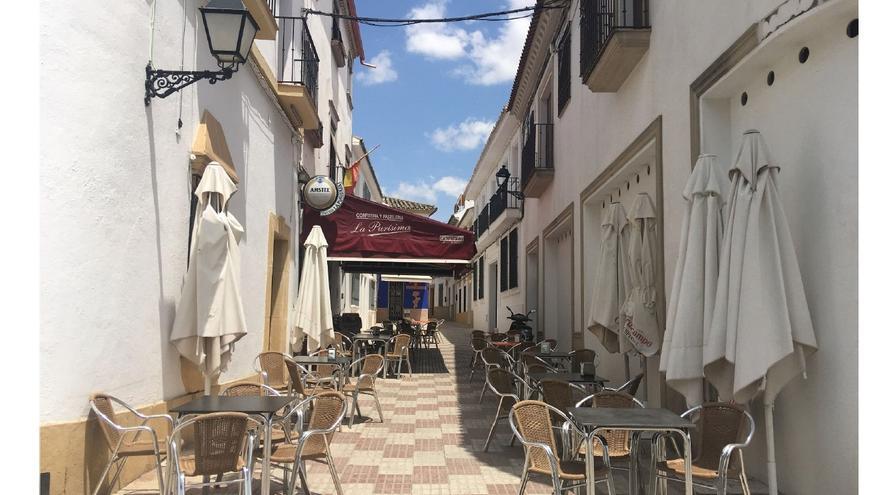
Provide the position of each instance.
(504, 264)
(513, 246)
(481, 277)
(564, 71)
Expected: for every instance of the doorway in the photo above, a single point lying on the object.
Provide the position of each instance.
(532, 287)
(558, 298)
(395, 301)
(493, 297)
(277, 283)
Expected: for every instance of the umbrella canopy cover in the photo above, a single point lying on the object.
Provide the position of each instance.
(210, 315)
(639, 310)
(695, 280)
(761, 328)
(612, 280)
(312, 314)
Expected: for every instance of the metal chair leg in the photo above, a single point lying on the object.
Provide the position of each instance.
(159, 473)
(333, 473)
(354, 398)
(378, 406)
(743, 478)
(482, 392)
(525, 478)
(104, 473)
(491, 434)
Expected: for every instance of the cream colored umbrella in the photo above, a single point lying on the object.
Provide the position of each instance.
(639, 310)
(612, 280)
(312, 314)
(692, 299)
(761, 329)
(210, 315)
(364, 301)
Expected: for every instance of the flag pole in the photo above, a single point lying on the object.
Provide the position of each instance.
(363, 156)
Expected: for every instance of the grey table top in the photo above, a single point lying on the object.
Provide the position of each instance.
(222, 403)
(568, 377)
(340, 360)
(633, 418)
(369, 336)
(554, 355)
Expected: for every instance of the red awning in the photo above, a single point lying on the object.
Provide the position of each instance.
(362, 230)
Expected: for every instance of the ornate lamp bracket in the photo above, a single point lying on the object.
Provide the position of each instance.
(162, 83)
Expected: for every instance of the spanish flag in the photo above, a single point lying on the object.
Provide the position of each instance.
(351, 176)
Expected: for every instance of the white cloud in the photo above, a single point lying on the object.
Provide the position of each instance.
(463, 136)
(429, 193)
(439, 41)
(489, 59)
(451, 186)
(383, 71)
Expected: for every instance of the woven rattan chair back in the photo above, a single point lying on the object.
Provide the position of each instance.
(528, 360)
(498, 337)
(296, 380)
(501, 380)
(718, 424)
(478, 344)
(618, 440)
(272, 363)
(533, 422)
(494, 356)
(324, 370)
(218, 439)
(244, 390)
(372, 364)
(478, 333)
(327, 408)
(557, 393)
(553, 343)
(582, 356)
(339, 340)
(401, 344)
(432, 326)
(105, 405)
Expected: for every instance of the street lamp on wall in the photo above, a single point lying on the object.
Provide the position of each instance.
(501, 178)
(230, 30)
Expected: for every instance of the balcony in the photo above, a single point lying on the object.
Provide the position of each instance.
(481, 223)
(614, 36)
(262, 10)
(537, 160)
(336, 44)
(298, 71)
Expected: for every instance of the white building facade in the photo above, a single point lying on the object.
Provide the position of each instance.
(116, 197)
(602, 116)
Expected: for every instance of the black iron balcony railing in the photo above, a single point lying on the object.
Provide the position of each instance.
(298, 59)
(502, 199)
(599, 20)
(537, 151)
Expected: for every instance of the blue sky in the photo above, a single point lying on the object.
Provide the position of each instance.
(435, 94)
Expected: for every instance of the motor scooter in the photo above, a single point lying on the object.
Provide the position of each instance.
(519, 321)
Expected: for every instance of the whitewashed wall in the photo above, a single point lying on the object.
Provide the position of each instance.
(810, 120)
(115, 199)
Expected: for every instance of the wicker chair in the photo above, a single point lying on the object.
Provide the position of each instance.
(553, 343)
(313, 444)
(561, 394)
(370, 367)
(502, 383)
(325, 375)
(127, 441)
(479, 333)
(280, 430)
(270, 366)
(221, 443)
(498, 337)
(478, 344)
(399, 353)
(299, 384)
(494, 357)
(532, 424)
(579, 356)
(617, 442)
(429, 335)
(723, 430)
(342, 344)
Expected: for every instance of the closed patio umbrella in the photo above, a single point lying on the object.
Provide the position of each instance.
(612, 280)
(639, 311)
(692, 299)
(312, 315)
(761, 328)
(364, 301)
(210, 315)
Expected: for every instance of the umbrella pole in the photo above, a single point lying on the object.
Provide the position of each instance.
(626, 366)
(771, 449)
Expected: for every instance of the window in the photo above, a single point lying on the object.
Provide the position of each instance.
(464, 300)
(503, 264)
(441, 295)
(480, 272)
(459, 300)
(332, 162)
(509, 261)
(563, 73)
(513, 255)
(355, 289)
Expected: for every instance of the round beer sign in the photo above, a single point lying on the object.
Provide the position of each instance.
(324, 195)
